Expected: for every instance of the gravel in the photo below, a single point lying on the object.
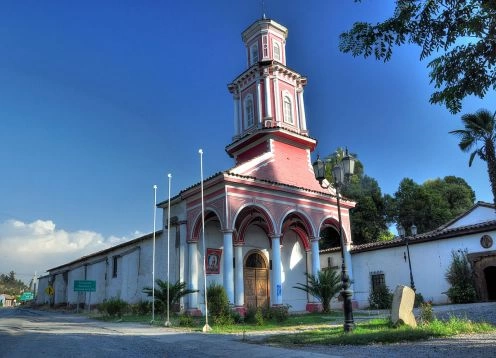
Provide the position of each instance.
(473, 345)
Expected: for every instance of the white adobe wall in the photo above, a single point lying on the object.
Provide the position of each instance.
(430, 260)
(73, 275)
(96, 271)
(41, 296)
(478, 215)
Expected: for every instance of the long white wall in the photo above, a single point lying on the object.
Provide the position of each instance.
(430, 261)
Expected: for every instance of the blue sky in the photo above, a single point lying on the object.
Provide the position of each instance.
(100, 100)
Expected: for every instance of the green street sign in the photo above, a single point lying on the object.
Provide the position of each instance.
(84, 286)
(27, 296)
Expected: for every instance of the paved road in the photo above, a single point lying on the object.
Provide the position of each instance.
(32, 334)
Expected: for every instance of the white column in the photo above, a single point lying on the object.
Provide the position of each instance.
(297, 120)
(228, 274)
(259, 101)
(182, 266)
(315, 256)
(268, 106)
(303, 119)
(193, 273)
(277, 101)
(276, 271)
(239, 287)
(236, 115)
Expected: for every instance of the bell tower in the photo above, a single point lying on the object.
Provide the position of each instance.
(269, 112)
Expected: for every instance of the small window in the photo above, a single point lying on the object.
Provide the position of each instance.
(265, 46)
(277, 51)
(253, 54)
(114, 266)
(378, 280)
(249, 112)
(288, 110)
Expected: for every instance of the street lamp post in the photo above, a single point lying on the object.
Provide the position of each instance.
(401, 232)
(339, 173)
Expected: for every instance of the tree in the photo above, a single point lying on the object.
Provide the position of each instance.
(11, 285)
(480, 130)
(368, 218)
(176, 291)
(324, 286)
(460, 33)
(431, 204)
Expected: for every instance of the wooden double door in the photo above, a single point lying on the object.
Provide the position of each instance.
(256, 281)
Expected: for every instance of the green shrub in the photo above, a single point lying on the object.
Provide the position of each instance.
(279, 313)
(218, 303)
(381, 298)
(250, 314)
(259, 317)
(114, 307)
(459, 276)
(186, 320)
(426, 313)
(141, 308)
(419, 299)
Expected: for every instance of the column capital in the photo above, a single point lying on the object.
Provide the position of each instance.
(275, 236)
(315, 238)
(227, 231)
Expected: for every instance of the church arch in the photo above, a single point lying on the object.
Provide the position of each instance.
(210, 216)
(299, 224)
(253, 215)
(329, 233)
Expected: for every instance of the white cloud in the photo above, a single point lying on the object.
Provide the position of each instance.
(26, 248)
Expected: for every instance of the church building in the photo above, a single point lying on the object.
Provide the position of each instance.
(260, 220)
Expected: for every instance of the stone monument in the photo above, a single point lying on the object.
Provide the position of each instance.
(402, 308)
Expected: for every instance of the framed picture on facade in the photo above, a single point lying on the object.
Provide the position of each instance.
(213, 261)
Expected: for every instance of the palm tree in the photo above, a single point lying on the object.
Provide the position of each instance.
(176, 291)
(324, 286)
(480, 129)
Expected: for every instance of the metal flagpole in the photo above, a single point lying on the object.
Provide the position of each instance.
(168, 323)
(206, 327)
(153, 254)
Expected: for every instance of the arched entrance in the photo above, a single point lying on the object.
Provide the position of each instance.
(490, 276)
(256, 280)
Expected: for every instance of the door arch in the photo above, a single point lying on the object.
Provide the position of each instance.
(256, 280)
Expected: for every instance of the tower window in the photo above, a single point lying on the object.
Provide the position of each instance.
(277, 51)
(253, 54)
(288, 110)
(249, 112)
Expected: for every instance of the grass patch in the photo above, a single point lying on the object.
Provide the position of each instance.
(380, 331)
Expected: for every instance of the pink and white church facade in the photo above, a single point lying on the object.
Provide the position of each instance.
(262, 217)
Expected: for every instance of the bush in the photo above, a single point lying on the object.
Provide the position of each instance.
(426, 313)
(250, 314)
(459, 276)
(141, 308)
(114, 307)
(381, 298)
(279, 313)
(186, 320)
(259, 317)
(218, 303)
(419, 299)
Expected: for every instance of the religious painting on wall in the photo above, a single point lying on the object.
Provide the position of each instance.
(213, 261)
